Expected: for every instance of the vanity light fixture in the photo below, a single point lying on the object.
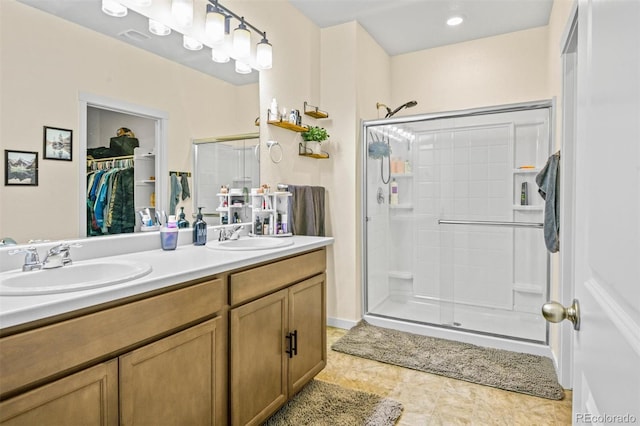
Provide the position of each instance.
(216, 33)
(113, 8)
(191, 43)
(158, 28)
(216, 24)
(264, 53)
(219, 55)
(455, 20)
(242, 40)
(242, 67)
(182, 11)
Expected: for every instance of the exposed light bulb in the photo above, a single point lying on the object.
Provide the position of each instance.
(182, 11)
(264, 54)
(242, 41)
(455, 20)
(214, 25)
(242, 67)
(113, 8)
(158, 28)
(191, 43)
(219, 55)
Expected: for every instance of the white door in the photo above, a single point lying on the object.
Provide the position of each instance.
(607, 237)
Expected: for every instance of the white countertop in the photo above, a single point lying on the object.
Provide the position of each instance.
(187, 262)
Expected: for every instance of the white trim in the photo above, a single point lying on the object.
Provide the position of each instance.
(570, 27)
(341, 323)
(616, 313)
(161, 119)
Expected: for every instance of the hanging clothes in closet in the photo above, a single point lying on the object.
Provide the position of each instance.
(110, 206)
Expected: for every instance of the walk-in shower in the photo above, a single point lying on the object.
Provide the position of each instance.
(452, 223)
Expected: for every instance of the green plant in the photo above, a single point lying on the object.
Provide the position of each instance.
(314, 133)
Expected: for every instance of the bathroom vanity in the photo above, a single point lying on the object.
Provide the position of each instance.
(227, 344)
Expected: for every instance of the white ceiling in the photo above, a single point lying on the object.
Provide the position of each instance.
(402, 26)
(399, 26)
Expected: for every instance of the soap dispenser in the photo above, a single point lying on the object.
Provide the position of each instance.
(199, 230)
(182, 222)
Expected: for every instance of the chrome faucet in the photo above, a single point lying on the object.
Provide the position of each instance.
(58, 256)
(230, 234)
(31, 259)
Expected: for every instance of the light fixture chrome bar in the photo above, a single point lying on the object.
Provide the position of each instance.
(239, 18)
(491, 223)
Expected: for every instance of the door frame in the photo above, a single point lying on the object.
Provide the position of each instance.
(161, 118)
(568, 44)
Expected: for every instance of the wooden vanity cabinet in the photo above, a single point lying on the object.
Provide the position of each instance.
(277, 340)
(156, 361)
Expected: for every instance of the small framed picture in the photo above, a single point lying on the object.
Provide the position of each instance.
(57, 144)
(20, 168)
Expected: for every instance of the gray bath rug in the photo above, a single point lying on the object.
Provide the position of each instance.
(325, 404)
(513, 371)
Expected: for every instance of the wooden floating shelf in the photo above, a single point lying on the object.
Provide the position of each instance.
(314, 111)
(287, 125)
(322, 156)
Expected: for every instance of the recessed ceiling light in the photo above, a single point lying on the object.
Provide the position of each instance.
(455, 20)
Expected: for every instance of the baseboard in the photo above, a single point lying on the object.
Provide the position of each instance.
(341, 323)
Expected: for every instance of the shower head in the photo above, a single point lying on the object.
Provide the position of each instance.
(378, 105)
(405, 105)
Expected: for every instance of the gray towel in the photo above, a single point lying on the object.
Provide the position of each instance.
(174, 199)
(184, 182)
(549, 182)
(306, 210)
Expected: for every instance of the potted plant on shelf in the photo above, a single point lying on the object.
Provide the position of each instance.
(313, 138)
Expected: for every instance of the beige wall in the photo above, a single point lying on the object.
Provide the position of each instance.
(46, 62)
(496, 70)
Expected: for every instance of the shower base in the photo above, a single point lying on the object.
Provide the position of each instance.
(479, 325)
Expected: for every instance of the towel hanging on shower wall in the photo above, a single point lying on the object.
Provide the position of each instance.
(548, 181)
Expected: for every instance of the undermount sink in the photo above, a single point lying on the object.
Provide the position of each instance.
(251, 244)
(74, 277)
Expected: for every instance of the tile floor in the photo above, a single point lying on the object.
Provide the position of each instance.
(430, 399)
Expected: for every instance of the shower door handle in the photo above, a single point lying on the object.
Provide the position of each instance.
(555, 312)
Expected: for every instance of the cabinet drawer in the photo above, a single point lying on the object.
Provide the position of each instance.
(247, 285)
(38, 354)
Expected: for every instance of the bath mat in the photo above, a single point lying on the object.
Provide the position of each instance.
(325, 404)
(513, 371)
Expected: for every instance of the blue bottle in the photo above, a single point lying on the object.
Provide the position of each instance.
(199, 230)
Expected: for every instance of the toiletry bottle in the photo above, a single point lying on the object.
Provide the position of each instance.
(182, 222)
(393, 196)
(199, 230)
(257, 227)
(169, 234)
(265, 226)
(524, 199)
(273, 110)
(407, 167)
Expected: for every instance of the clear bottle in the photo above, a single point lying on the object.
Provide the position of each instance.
(182, 222)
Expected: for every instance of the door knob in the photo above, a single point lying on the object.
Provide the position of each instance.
(555, 312)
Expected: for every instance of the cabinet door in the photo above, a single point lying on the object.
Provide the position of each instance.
(258, 364)
(175, 381)
(89, 397)
(307, 319)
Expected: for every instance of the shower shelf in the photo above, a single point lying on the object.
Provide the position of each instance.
(526, 171)
(401, 175)
(530, 208)
(402, 275)
(401, 207)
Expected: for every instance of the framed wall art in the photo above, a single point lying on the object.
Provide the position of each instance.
(57, 144)
(20, 168)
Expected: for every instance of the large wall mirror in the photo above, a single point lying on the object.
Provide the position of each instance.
(89, 63)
